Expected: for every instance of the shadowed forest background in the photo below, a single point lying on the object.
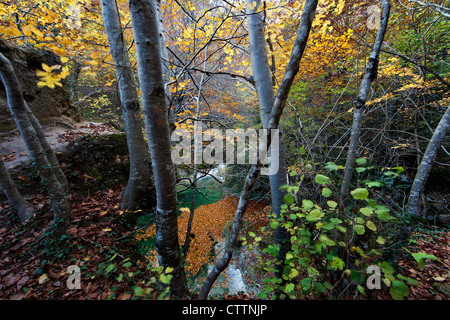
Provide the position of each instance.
(94, 93)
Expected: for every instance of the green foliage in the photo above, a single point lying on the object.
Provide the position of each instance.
(329, 244)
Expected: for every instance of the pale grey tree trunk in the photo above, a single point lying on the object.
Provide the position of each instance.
(277, 110)
(61, 208)
(263, 82)
(369, 76)
(50, 154)
(24, 209)
(165, 66)
(139, 179)
(426, 164)
(146, 34)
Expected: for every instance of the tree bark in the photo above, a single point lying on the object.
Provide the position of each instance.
(24, 209)
(49, 153)
(61, 208)
(139, 179)
(426, 164)
(165, 66)
(263, 82)
(369, 76)
(146, 34)
(277, 110)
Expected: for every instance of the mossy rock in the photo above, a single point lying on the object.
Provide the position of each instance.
(97, 162)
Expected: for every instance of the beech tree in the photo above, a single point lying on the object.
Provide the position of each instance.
(426, 164)
(369, 76)
(146, 35)
(24, 209)
(20, 113)
(139, 178)
(276, 112)
(263, 81)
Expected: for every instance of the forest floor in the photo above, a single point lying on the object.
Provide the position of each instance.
(14, 152)
(34, 266)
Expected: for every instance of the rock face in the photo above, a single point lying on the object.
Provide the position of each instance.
(48, 105)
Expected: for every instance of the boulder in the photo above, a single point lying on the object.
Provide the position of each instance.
(50, 106)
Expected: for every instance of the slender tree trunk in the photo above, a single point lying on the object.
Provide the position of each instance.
(426, 164)
(277, 110)
(369, 76)
(165, 66)
(146, 34)
(263, 81)
(139, 179)
(187, 240)
(413, 206)
(61, 208)
(50, 154)
(24, 209)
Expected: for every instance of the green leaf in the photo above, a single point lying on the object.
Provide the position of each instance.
(326, 192)
(360, 193)
(315, 215)
(360, 169)
(332, 204)
(293, 273)
(252, 234)
(302, 151)
(307, 204)
(138, 291)
(409, 280)
(361, 161)
(359, 229)
(373, 184)
(382, 214)
(306, 285)
(274, 224)
(386, 267)
(381, 240)
(366, 211)
(288, 199)
(331, 166)
(321, 179)
(398, 290)
(110, 268)
(289, 288)
(361, 289)
(420, 256)
(371, 225)
(319, 287)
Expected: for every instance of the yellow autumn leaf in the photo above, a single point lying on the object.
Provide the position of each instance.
(42, 278)
(46, 67)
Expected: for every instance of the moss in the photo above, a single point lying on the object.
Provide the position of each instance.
(98, 162)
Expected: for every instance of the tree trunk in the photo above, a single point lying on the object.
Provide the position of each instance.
(277, 110)
(50, 154)
(139, 179)
(426, 164)
(263, 81)
(61, 208)
(24, 209)
(146, 34)
(165, 66)
(369, 76)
